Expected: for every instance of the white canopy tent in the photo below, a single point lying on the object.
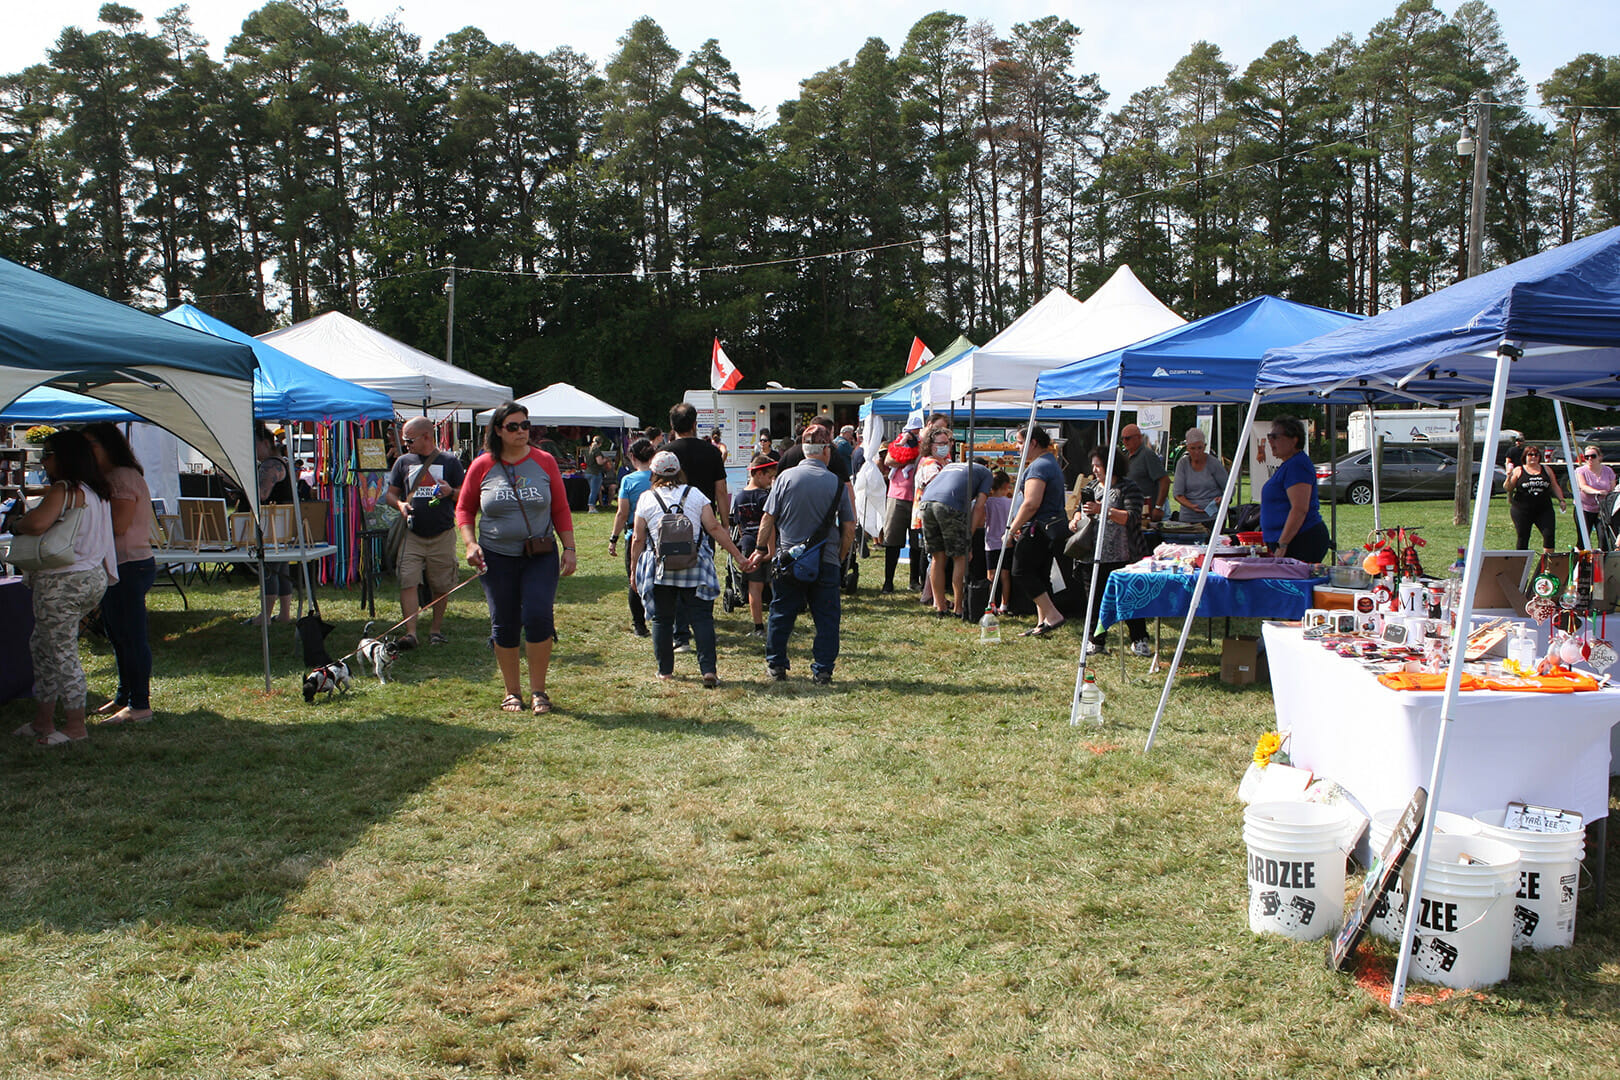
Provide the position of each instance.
(1057, 331)
(563, 405)
(338, 345)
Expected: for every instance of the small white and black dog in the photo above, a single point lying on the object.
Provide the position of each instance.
(379, 653)
(326, 679)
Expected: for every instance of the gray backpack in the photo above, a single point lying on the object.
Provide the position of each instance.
(676, 543)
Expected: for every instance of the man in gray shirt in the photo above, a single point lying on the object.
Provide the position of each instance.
(794, 513)
(1146, 471)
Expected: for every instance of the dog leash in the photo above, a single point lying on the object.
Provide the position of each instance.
(407, 618)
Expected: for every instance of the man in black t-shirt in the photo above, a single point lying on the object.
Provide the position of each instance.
(701, 460)
(1515, 454)
(423, 486)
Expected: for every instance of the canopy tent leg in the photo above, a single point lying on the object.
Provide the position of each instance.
(1203, 575)
(1333, 472)
(1459, 648)
(1375, 444)
(1574, 487)
(264, 612)
(298, 528)
(1096, 564)
(973, 408)
(1018, 493)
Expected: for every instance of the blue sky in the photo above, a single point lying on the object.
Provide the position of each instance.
(1129, 44)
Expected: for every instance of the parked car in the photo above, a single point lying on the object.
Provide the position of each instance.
(1606, 439)
(1409, 472)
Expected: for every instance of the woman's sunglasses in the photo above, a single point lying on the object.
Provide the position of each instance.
(522, 425)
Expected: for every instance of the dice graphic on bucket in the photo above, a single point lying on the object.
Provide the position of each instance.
(1524, 924)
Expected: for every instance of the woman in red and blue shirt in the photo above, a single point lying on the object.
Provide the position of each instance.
(515, 494)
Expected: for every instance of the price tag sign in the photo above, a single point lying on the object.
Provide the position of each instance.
(1540, 819)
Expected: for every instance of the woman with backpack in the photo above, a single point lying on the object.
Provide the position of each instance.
(674, 568)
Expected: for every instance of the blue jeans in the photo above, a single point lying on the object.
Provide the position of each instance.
(521, 592)
(672, 604)
(123, 615)
(595, 481)
(791, 596)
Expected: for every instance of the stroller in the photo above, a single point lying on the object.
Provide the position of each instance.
(1607, 531)
(734, 591)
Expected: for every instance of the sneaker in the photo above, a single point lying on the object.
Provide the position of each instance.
(1142, 648)
(821, 678)
(642, 631)
(888, 587)
(684, 647)
(757, 632)
(1094, 648)
(776, 674)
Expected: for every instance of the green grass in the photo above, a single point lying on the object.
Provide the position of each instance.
(922, 871)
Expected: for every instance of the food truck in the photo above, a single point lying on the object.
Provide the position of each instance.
(782, 410)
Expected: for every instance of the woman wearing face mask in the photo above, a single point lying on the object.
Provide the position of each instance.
(935, 458)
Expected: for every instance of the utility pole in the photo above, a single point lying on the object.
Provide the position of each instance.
(1480, 147)
(450, 321)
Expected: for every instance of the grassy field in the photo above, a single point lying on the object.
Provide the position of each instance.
(921, 871)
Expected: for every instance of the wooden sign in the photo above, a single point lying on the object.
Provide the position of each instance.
(1540, 819)
(1380, 876)
(373, 454)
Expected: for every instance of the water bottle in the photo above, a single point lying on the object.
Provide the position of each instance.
(1091, 702)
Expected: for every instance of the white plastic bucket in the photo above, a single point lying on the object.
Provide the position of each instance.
(1549, 873)
(1295, 868)
(1390, 911)
(1465, 912)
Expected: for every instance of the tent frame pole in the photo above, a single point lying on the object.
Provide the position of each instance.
(1375, 446)
(1018, 493)
(1096, 558)
(1459, 647)
(1574, 485)
(1203, 574)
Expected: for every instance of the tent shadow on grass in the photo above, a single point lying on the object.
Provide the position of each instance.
(203, 819)
(662, 724)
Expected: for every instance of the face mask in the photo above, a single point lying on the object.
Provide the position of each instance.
(942, 451)
(812, 448)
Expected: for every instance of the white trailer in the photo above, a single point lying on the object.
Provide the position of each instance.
(740, 414)
(1433, 426)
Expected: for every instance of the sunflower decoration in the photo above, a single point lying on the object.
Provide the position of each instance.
(1269, 746)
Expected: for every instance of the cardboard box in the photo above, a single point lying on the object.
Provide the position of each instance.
(1242, 662)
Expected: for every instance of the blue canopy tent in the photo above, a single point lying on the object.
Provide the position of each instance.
(195, 385)
(1548, 325)
(285, 388)
(48, 405)
(1213, 359)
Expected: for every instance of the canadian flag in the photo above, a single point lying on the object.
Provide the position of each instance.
(920, 355)
(723, 374)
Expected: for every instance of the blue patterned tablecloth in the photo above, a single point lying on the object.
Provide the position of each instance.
(1153, 595)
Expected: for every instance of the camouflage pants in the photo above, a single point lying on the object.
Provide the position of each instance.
(60, 601)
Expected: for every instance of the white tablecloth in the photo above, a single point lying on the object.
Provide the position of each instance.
(1378, 743)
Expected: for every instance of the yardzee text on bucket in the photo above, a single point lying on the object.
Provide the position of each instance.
(1287, 875)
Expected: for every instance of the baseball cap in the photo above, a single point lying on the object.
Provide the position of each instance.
(665, 463)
